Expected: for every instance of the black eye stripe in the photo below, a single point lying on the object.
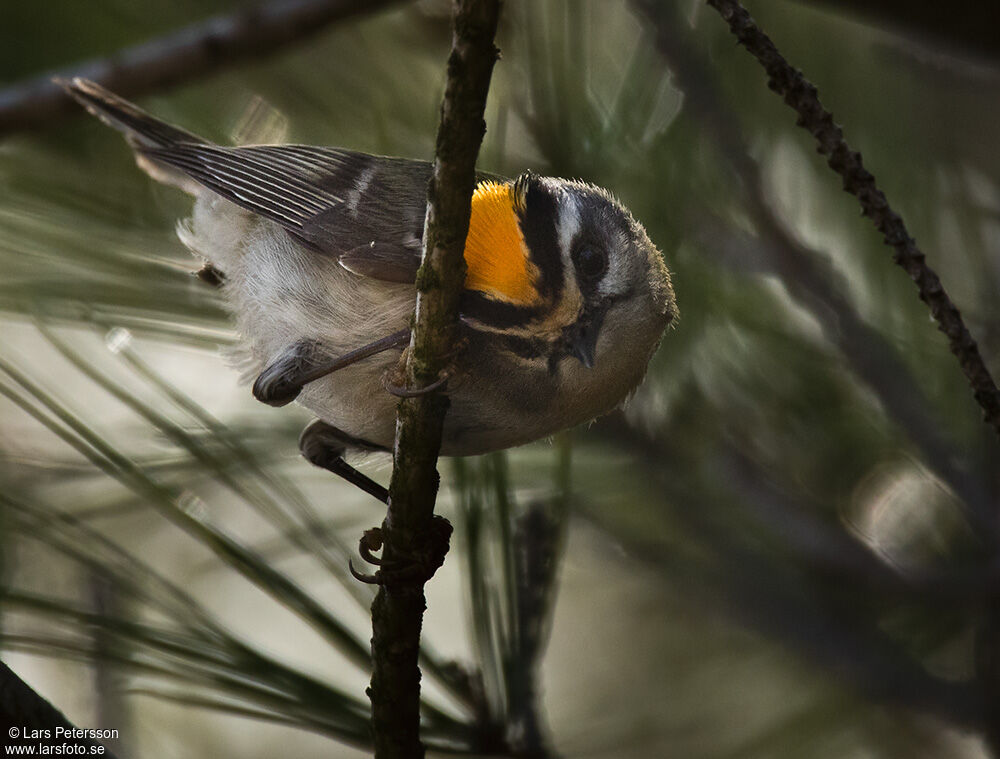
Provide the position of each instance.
(538, 225)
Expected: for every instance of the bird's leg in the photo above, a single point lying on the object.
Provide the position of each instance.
(324, 446)
(282, 381)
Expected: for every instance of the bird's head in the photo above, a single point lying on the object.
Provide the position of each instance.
(561, 270)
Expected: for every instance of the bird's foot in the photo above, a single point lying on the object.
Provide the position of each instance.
(414, 568)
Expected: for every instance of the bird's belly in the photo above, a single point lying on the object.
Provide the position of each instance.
(353, 400)
(283, 294)
(489, 414)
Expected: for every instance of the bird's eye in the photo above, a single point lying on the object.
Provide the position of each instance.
(591, 262)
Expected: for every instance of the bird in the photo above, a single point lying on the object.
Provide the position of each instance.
(316, 251)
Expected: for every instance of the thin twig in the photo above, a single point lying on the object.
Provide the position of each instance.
(111, 708)
(408, 530)
(808, 273)
(802, 96)
(190, 53)
(537, 544)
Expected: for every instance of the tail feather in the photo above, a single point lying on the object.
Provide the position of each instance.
(142, 129)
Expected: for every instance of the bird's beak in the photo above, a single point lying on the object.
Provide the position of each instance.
(583, 334)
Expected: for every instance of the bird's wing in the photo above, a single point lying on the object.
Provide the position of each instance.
(367, 211)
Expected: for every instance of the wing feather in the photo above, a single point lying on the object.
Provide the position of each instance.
(366, 210)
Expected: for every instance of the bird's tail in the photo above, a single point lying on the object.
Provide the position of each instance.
(141, 130)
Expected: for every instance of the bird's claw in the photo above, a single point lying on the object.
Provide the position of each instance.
(370, 541)
(394, 381)
(416, 568)
(407, 392)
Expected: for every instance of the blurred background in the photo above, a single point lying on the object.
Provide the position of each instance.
(785, 546)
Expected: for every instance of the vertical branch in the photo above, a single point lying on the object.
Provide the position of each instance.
(801, 95)
(111, 708)
(409, 528)
(538, 542)
(537, 545)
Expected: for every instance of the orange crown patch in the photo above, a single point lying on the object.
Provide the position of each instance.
(495, 253)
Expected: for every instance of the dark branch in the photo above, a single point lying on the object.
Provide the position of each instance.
(408, 529)
(189, 53)
(806, 272)
(802, 96)
(537, 544)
